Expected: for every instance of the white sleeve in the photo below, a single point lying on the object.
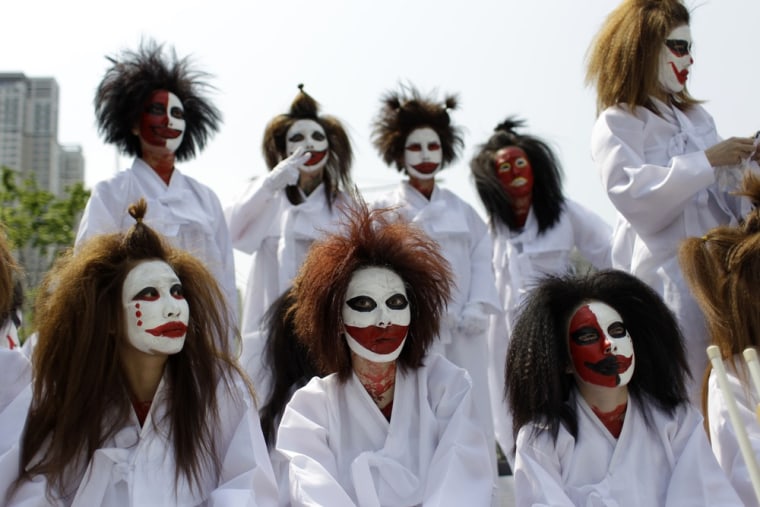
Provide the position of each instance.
(592, 235)
(650, 196)
(538, 475)
(302, 439)
(102, 214)
(483, 282)
(251, 216)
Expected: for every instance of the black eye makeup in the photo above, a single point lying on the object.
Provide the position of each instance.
(679, 47)
(362, 304)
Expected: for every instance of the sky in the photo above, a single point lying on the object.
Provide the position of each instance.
(501, 57)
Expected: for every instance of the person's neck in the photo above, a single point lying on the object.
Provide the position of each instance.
(143, 372)
(307, 182)
(425, 187)
(163, 165)
(603, 399)
(379, 379)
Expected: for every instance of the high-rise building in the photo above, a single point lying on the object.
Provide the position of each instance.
(29, 132)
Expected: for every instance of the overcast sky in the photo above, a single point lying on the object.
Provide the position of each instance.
(501, 57)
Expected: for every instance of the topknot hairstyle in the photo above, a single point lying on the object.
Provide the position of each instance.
(368, 238)
(548, 199)
(537, 383)
(129, 82)
(406, 110)
(337, 174)
(80, 391)
(722, 269)
(623, 59)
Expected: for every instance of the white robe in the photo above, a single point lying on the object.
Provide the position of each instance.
(666, 464)
(723, 439)
(15, 396)
(278, 234)
(136, 466)
(186, 212)
(519, 260)
(657, 175)
(465, 242)
(343, 452)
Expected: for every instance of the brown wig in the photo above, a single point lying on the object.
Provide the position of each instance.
(337, 174)
(9, 281)
(80, 396)
(289, 360)
(722, 269)
(369, 238)
(129, 82)
(548, 199)
(538, 384)
(406, 110)
(623, 60)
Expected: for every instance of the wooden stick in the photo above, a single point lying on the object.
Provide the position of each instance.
(713, 352)
(750, 357)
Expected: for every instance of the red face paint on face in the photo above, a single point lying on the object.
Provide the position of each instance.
(380, 340)
(514, 171)
(163, 120)
(600, 347)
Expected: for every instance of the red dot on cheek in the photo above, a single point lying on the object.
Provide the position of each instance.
(137, 305)
(139, 323)
(138, 314)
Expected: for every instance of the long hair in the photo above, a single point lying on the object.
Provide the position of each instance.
(548, 199)
(337, 173)
(289, 360)
(407, 109)
(129, 82)
(369, 238)
(9, 281)
(623, 60)
(722, 269)
(538, 384)
(80, 394)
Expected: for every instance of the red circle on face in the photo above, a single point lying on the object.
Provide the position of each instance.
(514, 171)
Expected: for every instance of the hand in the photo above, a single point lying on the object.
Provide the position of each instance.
(286, 172)
(473, 320)
(732, 151)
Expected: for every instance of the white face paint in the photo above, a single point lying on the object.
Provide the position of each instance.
(376, 314)
(162, 123)
(422, 153)
(155, 309)
(310, 135)
(675, 60)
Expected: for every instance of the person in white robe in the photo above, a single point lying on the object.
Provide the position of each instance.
(151, 106)
(597, 386)
(721, 268)
(663, 164)
(16, 372)
(279, 215)
(536, 231)
(392, 423)
(415, 134)
(135, 402)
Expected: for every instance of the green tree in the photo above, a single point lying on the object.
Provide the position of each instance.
(39, 225)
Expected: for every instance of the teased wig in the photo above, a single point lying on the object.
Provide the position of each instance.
(369, 238)
(406, 110)
(722, 269)
(80, 395)
(548, 200)
(538, 384)
(289, 360)
(623, 60)
(128, 84)
(337, 174)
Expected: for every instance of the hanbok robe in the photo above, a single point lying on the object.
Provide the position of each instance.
(185, 211)
(656, 174)
(519, 259)
(15, 396)
(465, 242)
(723, 438)
(136, 466)
(342, 451)
(665, 463)
(278, 234)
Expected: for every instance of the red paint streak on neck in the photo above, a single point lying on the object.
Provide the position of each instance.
(162, 165)
(377, 378)
(612, 420)
(425, 187)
